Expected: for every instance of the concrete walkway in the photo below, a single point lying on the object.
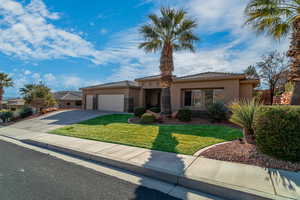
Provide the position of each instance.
(224, 179)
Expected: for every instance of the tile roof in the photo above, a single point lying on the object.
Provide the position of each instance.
(67, 95)
(118, 84)
(196, 76)
(209, 75)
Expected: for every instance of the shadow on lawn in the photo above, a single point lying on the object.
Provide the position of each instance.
(169, 162)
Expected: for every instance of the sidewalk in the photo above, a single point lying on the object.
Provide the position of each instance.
(224, 179)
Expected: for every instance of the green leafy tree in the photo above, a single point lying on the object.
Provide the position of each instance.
(251, 72)
(278, 18)
(38, 96)
(172, 31)
(5, 81)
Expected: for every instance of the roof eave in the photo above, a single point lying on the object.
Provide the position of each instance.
(111, 87)
(219, 78)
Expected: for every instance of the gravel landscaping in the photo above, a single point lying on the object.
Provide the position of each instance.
(238, 151)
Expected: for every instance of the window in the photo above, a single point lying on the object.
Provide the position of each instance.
(201, 98)
(78, 103)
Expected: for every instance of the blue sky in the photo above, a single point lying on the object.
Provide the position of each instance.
(70, 44)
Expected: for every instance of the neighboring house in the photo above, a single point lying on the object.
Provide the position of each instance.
(13, 104)
(194, 91)
(68, 99)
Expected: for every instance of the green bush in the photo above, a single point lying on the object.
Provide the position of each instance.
(217, 112)
(155, 109)
(277, 131)
(139, 111)
(25, 112)
(147, 118)
(5, 115)
(184, 115)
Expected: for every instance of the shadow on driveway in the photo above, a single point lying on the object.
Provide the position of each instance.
(57, 119)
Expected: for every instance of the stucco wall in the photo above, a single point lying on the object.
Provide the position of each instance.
(231, 90)
(134, 93)
(150, 84)
(246, 91)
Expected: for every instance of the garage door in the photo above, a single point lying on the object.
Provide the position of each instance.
(89, 102)
(111, 102)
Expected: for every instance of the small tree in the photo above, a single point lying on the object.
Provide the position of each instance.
(5, 81)
(273, 70)
(38, 96)
(251, 72)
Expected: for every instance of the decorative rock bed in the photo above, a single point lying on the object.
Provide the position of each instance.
(238, 151)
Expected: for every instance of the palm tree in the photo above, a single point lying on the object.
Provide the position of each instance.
(171, 31)
(38, 96)
(279, 18)
(5, 81)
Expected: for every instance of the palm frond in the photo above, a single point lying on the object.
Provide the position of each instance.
(171, 27)
(274, 17)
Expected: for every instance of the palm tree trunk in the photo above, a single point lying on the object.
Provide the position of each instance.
(294, 53)
(166, 68)
(249, 136)
(1, 98)
(296, 94)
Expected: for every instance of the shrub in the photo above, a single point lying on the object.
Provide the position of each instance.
(139, 111)
(147, 118)
(16, 114)
(184, 115)
(217, 112)
(155, 109)
(243, 114)
(277, 132)
(26, 112)
(6, 115)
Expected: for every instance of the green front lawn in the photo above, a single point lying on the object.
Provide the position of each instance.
(184, 139)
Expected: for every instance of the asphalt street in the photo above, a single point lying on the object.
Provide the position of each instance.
(29, 175)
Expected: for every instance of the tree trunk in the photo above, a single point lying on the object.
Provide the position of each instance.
(249, 136)
(1, 98)
(294, 53)
(271, 96)
(166, 68)
(296, 94)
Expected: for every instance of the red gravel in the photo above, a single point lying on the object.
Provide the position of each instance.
(237, 151)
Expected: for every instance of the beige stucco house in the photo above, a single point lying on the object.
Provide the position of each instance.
(194, 91)
(68, 99)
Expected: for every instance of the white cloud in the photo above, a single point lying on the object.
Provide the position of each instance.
(25, 32)
(27, 72)
(241, 48)
(55, 82)
(103, 31)
(49, 78)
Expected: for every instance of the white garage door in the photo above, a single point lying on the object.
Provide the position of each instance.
(111, 102)
(89, 102)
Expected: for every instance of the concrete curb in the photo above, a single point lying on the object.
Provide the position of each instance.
(207, 186)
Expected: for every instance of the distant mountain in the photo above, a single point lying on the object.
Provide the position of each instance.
(7, 98)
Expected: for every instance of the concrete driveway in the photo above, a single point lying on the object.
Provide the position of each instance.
(56, 120)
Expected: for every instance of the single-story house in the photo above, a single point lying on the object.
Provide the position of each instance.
(13, 104)
(68, 99)
(193, 91)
